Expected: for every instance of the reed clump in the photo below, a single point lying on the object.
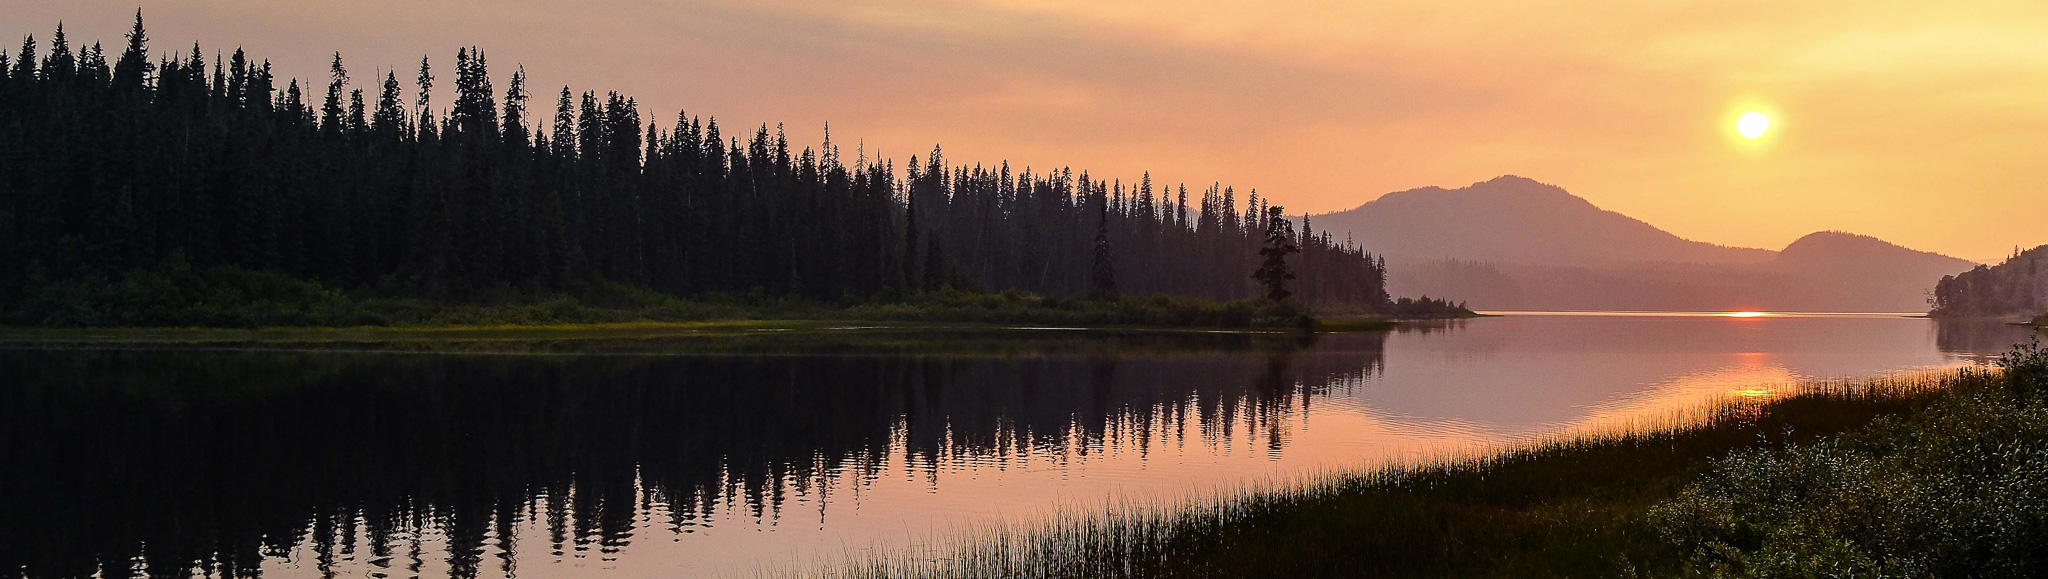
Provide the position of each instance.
(1701, 495)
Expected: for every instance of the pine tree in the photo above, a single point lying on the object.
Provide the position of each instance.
(332, 115)
(564, 132)
(910, 230)
(358, 114)
(1102, 276)
(1273, 271)
(60, 65)
(25, 61)
(515, 131)
(131, 72)
(423, 119)
(389, 120)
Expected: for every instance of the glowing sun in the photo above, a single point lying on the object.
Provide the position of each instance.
(1752, 125)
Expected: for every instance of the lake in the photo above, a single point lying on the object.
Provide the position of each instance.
(700, 455)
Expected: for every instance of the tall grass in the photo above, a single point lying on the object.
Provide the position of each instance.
(1570, 506)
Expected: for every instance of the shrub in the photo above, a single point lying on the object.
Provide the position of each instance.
(2026, 369)
(1960, 490)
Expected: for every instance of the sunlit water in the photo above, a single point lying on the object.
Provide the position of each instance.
(631, 460)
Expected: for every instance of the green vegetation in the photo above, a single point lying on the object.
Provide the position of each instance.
(178, 295)
(1938, 475)
(742, 338)
(1960, 490)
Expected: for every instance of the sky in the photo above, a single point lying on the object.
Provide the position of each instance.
(1918, 122)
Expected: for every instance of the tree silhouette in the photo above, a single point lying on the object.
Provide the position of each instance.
(111, 170)
(1273, 271)
(1102, 276)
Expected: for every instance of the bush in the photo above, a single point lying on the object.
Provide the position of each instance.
(2026, 370)
(1960, 490)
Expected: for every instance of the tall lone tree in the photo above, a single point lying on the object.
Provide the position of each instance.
(1273, 272)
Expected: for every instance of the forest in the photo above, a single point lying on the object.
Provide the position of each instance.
(114, 166)
(2016, 288)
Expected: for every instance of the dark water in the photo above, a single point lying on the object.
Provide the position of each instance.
(681, 457)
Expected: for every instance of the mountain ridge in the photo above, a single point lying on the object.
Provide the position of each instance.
(1491, 220)
(1516, 243)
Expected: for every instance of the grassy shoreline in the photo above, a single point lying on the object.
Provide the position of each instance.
(935, 310)
(222, 297)
(724, 328)
(713, 329)
(1627, 504)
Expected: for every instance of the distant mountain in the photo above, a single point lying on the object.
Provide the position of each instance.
(1867, 259)
(1838, 250)
(1516, 220)
(1514, 243)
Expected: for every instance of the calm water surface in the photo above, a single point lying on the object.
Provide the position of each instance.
(701, 456)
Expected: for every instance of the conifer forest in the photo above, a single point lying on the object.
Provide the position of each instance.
(455, 184)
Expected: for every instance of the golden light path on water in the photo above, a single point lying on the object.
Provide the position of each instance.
(1478, 385)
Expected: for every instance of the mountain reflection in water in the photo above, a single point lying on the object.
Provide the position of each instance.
(642, 457)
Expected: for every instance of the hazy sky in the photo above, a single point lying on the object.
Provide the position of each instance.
(1924, 123)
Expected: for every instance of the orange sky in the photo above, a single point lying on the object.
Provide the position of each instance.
(1919, 122)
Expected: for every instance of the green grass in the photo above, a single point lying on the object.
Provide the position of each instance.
(1640, 503)
(718, 338)
(176, 295)
(940, 312)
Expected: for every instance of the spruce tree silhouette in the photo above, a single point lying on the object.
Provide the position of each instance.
(1273, 271)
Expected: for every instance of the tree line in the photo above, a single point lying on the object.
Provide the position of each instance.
(2019, 286)
(113, 162)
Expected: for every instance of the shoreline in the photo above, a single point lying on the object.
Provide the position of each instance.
(645, 329)
(1595, 504)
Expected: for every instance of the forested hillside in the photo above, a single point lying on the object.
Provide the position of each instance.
(117, 160)
(2016, 288)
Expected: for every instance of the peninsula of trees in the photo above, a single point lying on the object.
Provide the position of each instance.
(2017, 288)
(114, 166)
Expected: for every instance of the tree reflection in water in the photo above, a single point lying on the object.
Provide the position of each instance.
(171, 462)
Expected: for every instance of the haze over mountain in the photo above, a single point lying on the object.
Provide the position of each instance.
(1514, 219)
(1515, 243)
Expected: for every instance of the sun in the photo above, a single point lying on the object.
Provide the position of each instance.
(1752, 125)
